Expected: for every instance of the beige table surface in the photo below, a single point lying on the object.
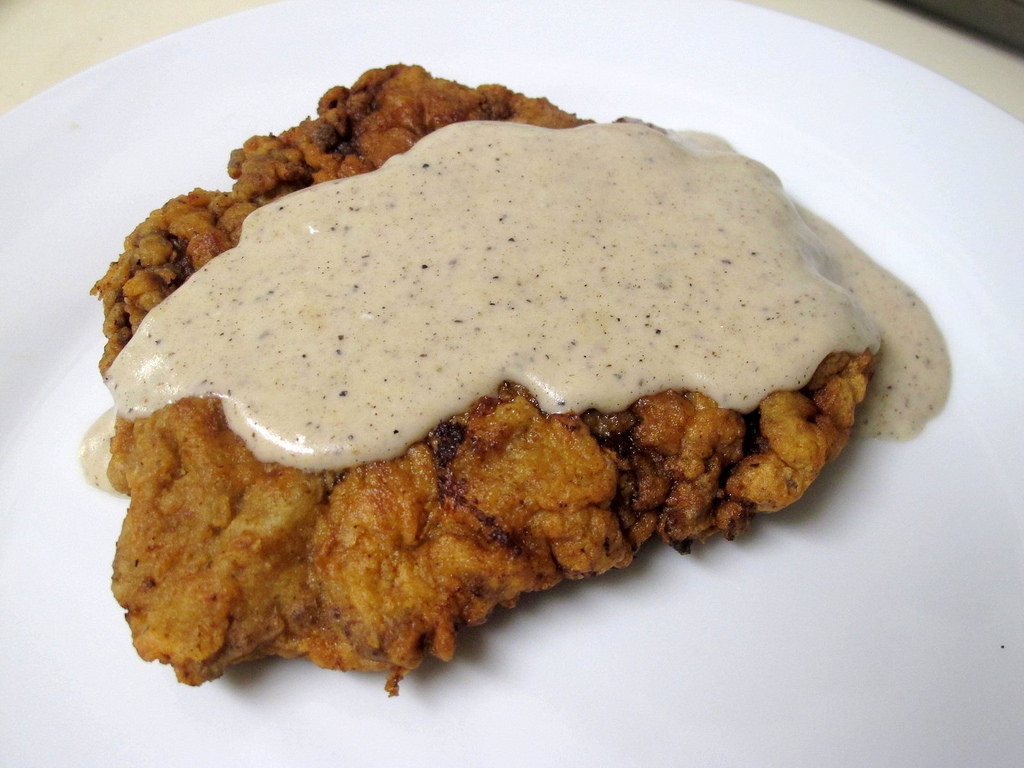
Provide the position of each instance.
(45, 41)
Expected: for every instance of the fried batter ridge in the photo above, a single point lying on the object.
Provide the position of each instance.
(224, 559)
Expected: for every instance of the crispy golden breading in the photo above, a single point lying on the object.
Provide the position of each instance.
(692, 470)
(223, 558)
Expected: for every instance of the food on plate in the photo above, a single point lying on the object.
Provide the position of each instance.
(485, 346)
(355, 131)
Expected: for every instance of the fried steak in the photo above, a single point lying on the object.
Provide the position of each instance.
(223, 558)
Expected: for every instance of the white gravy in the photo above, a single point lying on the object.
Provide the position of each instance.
(592, 265)
(912, 367)
(94, 452)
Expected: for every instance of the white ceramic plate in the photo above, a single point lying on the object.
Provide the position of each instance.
(880, 622)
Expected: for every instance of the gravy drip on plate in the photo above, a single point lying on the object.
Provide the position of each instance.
(94, 451)
(592, 265)
(912, 367)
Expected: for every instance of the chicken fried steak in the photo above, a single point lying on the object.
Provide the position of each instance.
(224, 558)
